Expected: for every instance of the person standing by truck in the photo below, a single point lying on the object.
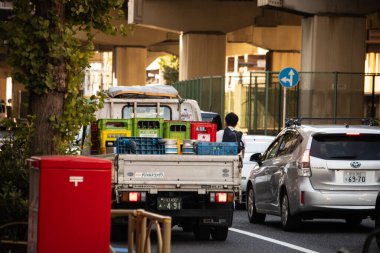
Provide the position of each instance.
(229, 134)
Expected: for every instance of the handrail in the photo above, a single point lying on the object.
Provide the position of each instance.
(139, 231)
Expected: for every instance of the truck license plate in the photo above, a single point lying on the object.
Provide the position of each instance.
(355, 177)
(169, 204)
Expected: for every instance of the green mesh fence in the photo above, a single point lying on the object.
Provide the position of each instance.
(258, 98)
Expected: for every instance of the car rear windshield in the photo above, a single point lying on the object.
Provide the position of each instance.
(344, 146)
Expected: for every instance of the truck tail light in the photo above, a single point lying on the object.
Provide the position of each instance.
(133, 196)
(304, 165)
(221, 197)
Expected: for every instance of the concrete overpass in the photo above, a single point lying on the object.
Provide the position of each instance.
(311, 35)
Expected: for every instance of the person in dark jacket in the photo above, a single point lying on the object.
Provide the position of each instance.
(229, 134)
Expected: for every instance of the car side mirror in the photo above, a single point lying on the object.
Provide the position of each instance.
(256, 158)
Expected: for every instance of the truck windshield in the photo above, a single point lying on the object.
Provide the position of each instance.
(147, 111)
(346, 147)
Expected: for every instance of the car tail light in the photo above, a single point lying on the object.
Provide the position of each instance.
(304, 165)
(353, 134)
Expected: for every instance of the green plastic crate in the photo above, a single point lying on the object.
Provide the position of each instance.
(148, 127)
(177, 130)
(119, 124)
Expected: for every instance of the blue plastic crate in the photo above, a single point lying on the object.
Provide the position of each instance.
(140, 145)
(216, 148)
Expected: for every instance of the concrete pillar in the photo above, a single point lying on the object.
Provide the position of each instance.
(129, 65)
(277, 60)
(202, 55)
(332, 43)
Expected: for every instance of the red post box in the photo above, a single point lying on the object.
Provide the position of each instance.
(70, 204)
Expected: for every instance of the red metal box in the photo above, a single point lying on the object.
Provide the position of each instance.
(70, 204)
(203, 131)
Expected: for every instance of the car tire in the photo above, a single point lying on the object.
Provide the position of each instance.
(202, 233)
(219, 233)
(253, 216)
(377, 227)
(289, 222)
(354, 221)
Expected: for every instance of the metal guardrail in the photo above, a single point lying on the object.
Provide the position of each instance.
(140, 225)
(139, 230)
(13, 237)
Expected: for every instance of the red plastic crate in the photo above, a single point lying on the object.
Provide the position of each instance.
(203, 131)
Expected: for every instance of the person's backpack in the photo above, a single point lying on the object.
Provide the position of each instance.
(233, 136)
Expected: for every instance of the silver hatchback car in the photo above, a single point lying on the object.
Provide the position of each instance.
(319, 171)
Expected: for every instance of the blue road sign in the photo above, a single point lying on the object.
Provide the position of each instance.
(288, 77)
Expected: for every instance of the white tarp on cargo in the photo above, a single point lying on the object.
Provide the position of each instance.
(143, 91)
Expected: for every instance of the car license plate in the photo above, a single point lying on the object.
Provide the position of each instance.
(169, 204)
(354, 177)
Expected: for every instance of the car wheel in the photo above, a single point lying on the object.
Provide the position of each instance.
(289, 222)
(253, 216)
(354, 221)
(377, 226)
(219, 233)
(202, 233)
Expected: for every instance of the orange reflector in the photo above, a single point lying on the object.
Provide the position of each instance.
(134, 197)
(221, 197)
(302, 197)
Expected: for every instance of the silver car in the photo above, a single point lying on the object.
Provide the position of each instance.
(253, 144)
(316, 172)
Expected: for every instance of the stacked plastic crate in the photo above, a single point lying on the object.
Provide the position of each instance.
(176, 131)
(110, 130)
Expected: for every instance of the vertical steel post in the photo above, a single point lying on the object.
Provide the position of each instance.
(373, 112)
(210, 95)
(255, 106)
(222, 96)
(281, 115)
(266, 101)
(249, 103)
(297, 100)
(335, 96)
(167, 230)
(199, 92)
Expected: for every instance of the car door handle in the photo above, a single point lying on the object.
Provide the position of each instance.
(266, 172)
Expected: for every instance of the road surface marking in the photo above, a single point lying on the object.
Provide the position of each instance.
(289, 245)
(120, 250)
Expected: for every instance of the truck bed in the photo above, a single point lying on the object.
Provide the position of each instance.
(175, 172)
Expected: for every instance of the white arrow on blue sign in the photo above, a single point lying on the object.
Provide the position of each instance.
(288, 77)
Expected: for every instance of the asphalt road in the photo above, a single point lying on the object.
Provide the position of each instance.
(314, 236)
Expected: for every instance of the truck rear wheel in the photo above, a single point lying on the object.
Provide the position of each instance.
(202, 233)
(219, 233)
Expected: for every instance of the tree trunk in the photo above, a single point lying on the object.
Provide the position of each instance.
(46, 138)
